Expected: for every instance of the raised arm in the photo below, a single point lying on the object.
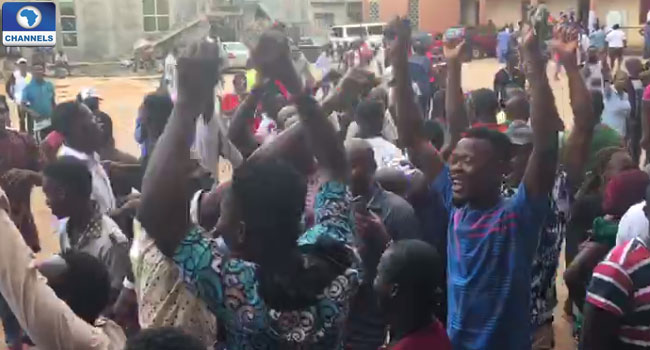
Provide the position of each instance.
(164, 211)
(545, 121)
(565, 43)
(409, 117)
(239, 131)
(325, 143)
(454, 100)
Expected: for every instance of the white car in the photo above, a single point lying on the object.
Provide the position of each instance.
(236, 54)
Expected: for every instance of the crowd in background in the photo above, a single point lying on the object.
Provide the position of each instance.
(390, 211)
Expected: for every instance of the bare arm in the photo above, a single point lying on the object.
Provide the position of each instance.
(600, 329)
(607, 76)
(409, 117)
(584, 119)
(326, 144)
(9, 86)
(164, 211)
(454, 101)
(540, 172)
(239, 131)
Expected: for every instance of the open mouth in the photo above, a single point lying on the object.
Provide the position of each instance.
(457, 185)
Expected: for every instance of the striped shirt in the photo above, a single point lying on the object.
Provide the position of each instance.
(621, 285)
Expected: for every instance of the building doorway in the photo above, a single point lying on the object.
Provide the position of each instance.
(469, 12)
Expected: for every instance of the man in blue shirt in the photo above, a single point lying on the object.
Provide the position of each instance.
(38, 98)
(491, 241)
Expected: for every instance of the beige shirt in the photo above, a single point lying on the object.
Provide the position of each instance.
(163, 298)
(48, 320)
(104, 240)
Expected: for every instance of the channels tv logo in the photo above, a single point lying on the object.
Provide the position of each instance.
(28, 24)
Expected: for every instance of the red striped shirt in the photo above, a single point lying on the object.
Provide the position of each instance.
(621, 285)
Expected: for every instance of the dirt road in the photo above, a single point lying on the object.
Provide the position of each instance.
(122, 96)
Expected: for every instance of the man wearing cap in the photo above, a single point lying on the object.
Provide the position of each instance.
(14, 87)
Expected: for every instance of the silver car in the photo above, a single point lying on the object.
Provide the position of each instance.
(236, 54)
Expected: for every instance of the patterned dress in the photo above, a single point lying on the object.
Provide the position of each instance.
(545, 263)
(230, 288)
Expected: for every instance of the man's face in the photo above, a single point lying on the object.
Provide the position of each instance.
(384, 290)
(240, 85)
(55, 198)
(475, 171)
(23, 68)
(38, 72)
(86, 129)
(361, 169)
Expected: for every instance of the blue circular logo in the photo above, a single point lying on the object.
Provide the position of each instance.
(29, 17)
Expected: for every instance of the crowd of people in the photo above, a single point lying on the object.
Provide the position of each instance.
(362, 213)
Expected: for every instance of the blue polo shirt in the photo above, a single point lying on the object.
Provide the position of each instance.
(40, 96)
(489, 258)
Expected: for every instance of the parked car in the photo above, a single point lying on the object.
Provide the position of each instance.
(311, 47)
(237, 54)
(482, 41)
(373, 33)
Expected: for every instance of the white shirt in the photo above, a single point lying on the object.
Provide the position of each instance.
(102, 190)
(617, 110)
(633, 224)
(19, 85)
(170, 75)
(324, 63)
(385, 152)
(211, 142)
(616, 38)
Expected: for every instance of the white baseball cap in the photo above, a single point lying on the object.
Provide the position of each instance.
(88, 93)
(21, 60)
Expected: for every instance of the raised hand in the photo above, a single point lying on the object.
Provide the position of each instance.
(198, 72)
(565, 44)
(401, 30)
(272, 57)
(356, 84)
(455, 50)
(530, 43)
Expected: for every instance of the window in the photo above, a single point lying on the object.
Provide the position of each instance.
(324, 20)
(414, 13)
(68, 23)
(355, 13)
(356, 31)
(155, 15)
(337, 32)
(376, 30)
(374, 11)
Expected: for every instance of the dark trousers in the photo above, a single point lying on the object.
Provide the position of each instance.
(13, 332)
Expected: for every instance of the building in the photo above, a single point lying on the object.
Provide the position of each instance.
(96, 30)
(326, 13)
(630, 14)
(433, 16)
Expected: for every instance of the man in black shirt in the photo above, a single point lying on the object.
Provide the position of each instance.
(509, 76)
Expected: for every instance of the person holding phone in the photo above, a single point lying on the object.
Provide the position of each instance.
(380, 217)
